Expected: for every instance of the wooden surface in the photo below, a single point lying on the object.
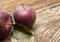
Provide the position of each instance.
(48, 28)
(47, 25)
(10, 5)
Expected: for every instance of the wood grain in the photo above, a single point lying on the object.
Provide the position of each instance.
(48, 25)
(10, 5)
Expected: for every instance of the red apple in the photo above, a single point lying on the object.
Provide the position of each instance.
(5, 24)
(25, 15)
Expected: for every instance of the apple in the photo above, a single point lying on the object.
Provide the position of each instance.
(24, 15)
(5, 24)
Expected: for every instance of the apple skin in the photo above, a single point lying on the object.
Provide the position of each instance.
(25, 15)
(5, 25)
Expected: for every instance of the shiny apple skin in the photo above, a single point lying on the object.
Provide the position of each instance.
(25, 15)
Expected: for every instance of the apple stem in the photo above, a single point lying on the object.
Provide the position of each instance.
(23, 6)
